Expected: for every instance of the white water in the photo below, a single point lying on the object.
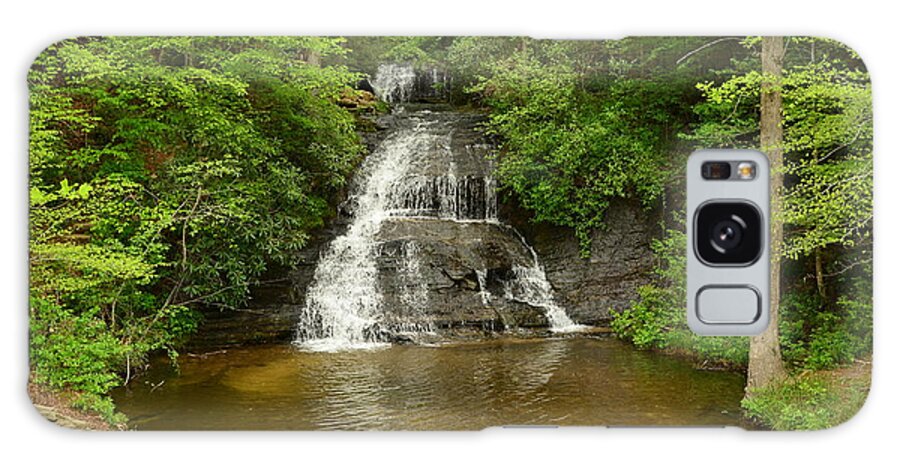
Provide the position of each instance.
(531, 286)
(483, 292)
(445, 197)
(394, 83)
(343, 302)
(414, 293)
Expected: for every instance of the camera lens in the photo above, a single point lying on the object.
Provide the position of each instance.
(728, 233)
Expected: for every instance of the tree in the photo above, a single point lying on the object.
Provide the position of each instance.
(829, 205)
(169, 173)
(579, 125)
(826, 198)
(765, 365)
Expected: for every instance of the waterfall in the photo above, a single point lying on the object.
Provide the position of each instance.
(481, 275)
(411, 175)
(402, 83)
(530, 285)
(394, 83)
(343, 303)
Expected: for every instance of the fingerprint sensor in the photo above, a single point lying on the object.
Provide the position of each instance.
(724, 304)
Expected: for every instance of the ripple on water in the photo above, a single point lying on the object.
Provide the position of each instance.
(572, 380)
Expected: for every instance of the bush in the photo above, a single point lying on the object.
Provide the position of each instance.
(816, 336)
(658, 319)
(102, 405)
(74, 352)
(572, 140)
(645, 323)
(807, 402)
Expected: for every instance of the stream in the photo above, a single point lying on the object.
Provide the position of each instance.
(562, 380)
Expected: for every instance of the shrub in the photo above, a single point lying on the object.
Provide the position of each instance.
(658, 318)
(818, 336)
(806, 402)
(74, 352)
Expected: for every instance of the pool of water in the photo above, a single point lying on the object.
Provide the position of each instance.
(460, 386)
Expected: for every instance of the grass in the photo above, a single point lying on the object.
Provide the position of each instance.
(812, 400)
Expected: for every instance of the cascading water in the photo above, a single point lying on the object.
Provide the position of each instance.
(445, 197)
(343, 302)
(481, 275)
(418, 173)
(394, 83)
(400, 83)
(530, 285)
(414, 293)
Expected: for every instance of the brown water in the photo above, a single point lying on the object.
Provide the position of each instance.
(562, 381)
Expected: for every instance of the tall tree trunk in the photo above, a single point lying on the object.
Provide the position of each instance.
(765, 365)
(313, 58)
(820, 273)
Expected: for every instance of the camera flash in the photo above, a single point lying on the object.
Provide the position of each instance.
(746, 170)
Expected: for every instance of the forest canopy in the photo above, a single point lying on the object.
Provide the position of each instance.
(167, 173)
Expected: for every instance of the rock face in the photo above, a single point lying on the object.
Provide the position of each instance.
(421, 216)
(621, 261)
(448, 257)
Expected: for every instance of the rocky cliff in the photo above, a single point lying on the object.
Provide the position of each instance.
(423, 215)
(620, 261)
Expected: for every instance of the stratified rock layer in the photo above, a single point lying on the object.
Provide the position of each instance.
(620, 262)
(449, 258)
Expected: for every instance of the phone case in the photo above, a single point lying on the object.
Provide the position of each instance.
(435, 233)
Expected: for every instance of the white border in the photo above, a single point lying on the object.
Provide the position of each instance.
(865, 25)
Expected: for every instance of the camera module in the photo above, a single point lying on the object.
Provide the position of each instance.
(728, 233)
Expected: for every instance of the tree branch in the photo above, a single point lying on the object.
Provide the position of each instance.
(704, 47)
(849, 267)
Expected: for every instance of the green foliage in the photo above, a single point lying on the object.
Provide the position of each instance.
(474, 58)
(647, 322)
(73, 351)
(807, 402)
(369, 52)
(812, 337)
(816, 335)
(830, 205)
(102, 405)
(168, 173)
(827, 196)
(827, 105)
(800, 404)
(658, 318)
(729, 113)
(570, 142)
(855, 305)
(828, 120)
(407, 49)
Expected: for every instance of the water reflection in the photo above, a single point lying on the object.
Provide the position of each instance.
(568, 381)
